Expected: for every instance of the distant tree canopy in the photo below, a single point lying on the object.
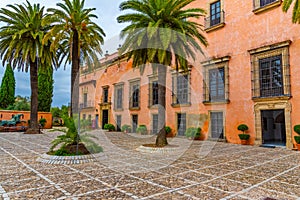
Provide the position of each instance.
(60, 112)
(7, 89)
(45, 88)
(20, 103)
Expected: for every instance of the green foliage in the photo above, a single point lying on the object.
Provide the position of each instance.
(297, 128)
(168, 129)
(7, 89)
(296, 9)
(126, 128)
(297, 139)
(244, 136)
(109, 127)
(21, 103)
(193, 132)
(42, 122)
(60, 112)
(85, 124)
(45, 88)
(242, 127)
(142, 129)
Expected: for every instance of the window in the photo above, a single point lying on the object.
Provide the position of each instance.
(155, 124)
(265, 2)
(119, 122)
(134, 122)
(181, 123)
(270, 71)
(271, 76)
(105, 95)
(263, 5)
(118, 98)
(216, 80)
(134, 94)
(84, 100)
(215, 13)
(216, 84)
(84, 116)
(216, 16)
(153, 91)
(181, 89)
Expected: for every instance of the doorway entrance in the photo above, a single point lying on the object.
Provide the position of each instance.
(273, 127)
(104, 118)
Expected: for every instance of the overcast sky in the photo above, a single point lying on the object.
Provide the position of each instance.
(107, 12)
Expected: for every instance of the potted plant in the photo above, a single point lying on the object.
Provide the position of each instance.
(142, 129)
(244, 137)
(297, 137)
(109, 127)
(126, 128)
(193, 133)
(168, 130)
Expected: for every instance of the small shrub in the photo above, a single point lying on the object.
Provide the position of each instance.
(244, 136)
(42, 122)
(142, 129)
(193, 132)
(109, 127)
(242, 127)
(297, 139)
(297, 128)
(126, 128)
(168, 129)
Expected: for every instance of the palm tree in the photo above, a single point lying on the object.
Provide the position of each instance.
(21, 46)
(81, 37)
(161, 33)
(296, 9)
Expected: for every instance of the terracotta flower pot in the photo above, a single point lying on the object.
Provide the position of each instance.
(244, 142)
(298, 146)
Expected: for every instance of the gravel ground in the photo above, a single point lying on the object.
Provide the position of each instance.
(194, 170)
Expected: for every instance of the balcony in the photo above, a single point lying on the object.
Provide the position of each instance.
(214, 22)
(264, 5)
(87, 104)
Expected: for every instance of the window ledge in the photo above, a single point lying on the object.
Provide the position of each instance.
(135, 108)
(119, 109)
(105, 103)
(267, 7)
(215, 27)
(153, 106)
(259, 99)
(216, 102)
(177, 105)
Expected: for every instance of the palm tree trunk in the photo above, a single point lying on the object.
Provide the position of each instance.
(161, 139)
(75, 75)
(34, 126)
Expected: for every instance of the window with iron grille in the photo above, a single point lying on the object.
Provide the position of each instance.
(216, 80)
(266, 2)
(215, 13)
(271, 83)
(216, 84)
(118, 97)
(155, 123)
(154, 92)
(216, 120)
(270, 71)
(105, 95)
(181, 89)
(134, 94)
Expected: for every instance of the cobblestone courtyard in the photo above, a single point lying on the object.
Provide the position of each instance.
(197, 170)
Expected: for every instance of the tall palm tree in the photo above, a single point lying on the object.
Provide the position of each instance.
(21, 46)
(80, 37)
(296, 9)
(161, 32)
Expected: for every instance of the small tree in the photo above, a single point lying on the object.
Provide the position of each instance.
(45, 88)
(7, 89)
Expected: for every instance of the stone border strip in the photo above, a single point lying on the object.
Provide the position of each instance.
(166, 149)
(68, 160)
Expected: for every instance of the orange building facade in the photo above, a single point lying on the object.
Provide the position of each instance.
(248, 75)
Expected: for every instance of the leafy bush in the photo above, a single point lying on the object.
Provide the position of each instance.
(297, 139)
(244, 136)
(242, 127)
(193, 132)
(168, 129)
(109, 127)
(126, 128)
(142, 129)
(42, 122)
(297, 128)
